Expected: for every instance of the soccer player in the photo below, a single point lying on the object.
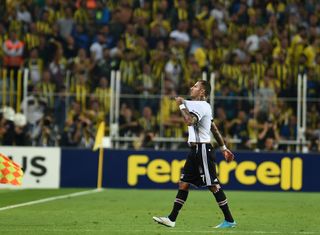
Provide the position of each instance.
(199, 169)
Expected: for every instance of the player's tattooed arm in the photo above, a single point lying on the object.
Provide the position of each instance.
(189, 118)
(216, 134)
(228, 155)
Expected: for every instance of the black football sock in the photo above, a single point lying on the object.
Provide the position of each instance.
(223, 204)
(178, 203)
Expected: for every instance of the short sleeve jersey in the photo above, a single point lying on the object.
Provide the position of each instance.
(200, 132)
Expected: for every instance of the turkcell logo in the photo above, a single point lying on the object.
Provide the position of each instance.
(287, 174)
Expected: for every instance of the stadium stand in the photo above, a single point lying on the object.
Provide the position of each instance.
(256, 49)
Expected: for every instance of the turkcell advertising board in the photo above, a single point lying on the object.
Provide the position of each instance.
(41, 166)
(161, 169)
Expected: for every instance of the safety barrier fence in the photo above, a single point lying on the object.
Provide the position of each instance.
(14, 89)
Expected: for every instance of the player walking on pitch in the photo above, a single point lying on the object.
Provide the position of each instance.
(199, 169)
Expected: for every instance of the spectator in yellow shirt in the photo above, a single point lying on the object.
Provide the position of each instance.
(311, 50)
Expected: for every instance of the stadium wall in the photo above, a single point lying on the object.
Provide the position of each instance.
(55, 167)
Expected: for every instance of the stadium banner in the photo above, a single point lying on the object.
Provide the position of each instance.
(41, 166)
(161, 170)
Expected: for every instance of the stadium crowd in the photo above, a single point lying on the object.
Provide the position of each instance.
(255, 48)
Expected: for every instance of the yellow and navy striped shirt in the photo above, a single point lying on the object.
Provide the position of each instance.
(43, 27)
(182, 14)
(81, 16)
(16, 26)
(140, 12)
(215, 56)
(31, 41)
(81, 91)
(129, 70)
(3, 38)
(157, 63)
(230, 71)
(258, 69)
(103, 97)
(48, 91)
(281, 74)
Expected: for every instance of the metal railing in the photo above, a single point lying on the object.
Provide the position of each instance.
(14, 90)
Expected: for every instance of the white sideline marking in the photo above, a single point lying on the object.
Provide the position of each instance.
(49, 199)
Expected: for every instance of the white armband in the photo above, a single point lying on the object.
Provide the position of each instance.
(182, 106)
(223, 148)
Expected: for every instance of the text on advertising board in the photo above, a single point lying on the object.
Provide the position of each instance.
(287, 174)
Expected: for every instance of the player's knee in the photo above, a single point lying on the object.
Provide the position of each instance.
(184, 186)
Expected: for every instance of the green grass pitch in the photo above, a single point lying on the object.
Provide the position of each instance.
(119, 211)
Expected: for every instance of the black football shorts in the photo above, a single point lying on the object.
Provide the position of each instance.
(200, 167)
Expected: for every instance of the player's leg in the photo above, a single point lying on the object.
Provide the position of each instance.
(189, 176)
(212, 182)
(180, 199)
(223, 204)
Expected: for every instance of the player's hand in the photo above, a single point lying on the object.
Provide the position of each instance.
(179, 100)
(228, 155)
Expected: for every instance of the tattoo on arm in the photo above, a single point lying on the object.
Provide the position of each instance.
(216, 134)
(188, 117)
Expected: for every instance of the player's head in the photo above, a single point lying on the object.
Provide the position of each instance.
(200, 90)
